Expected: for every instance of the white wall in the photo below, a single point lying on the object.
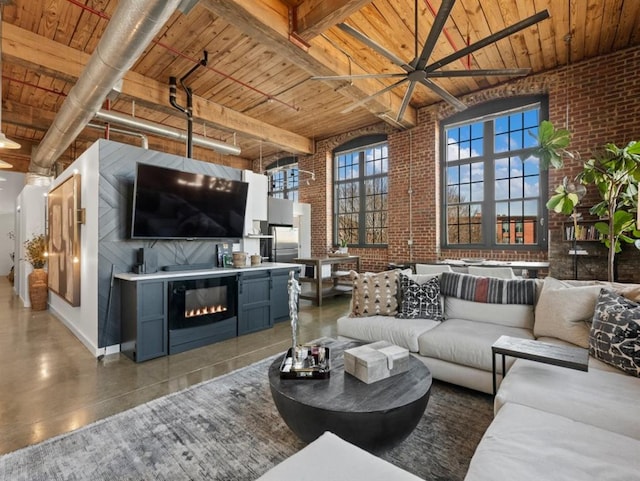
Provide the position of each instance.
(10, 188)
(83, 320)
(30, 215)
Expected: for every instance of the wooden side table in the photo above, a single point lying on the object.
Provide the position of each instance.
(565, 356)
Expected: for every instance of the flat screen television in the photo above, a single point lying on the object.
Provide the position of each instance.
(173, 204)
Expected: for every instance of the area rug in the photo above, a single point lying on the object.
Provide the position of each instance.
(229, 429)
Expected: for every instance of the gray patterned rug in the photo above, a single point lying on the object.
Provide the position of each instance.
(228, 429)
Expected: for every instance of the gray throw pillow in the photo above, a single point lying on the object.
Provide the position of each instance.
(614, 332)
(419, 300)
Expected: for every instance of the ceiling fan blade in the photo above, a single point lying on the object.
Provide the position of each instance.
(375, 46)
(521, 25)
(506, 72)
(446, 96)
(434, 33)
(355, 77)
(405, 100)
(366, 99)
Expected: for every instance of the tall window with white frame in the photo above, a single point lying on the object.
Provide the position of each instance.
(361, 191)
(285, 183)
(494, 188)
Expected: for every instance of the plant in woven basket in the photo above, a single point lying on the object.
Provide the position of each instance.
(35, 249)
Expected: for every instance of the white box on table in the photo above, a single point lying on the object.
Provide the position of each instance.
(376, 361)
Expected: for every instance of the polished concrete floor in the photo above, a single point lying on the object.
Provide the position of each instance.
(51, 384)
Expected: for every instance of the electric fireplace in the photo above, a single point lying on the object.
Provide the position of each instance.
(201, 311)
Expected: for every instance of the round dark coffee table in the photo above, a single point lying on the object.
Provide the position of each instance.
(373, 416)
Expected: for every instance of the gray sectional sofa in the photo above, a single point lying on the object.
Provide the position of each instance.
(551, 423)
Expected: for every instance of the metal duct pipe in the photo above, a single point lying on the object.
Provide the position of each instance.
(131, 28)
(164, 131)
(143, 138)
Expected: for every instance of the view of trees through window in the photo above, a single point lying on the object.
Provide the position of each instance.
(360, 195)
(493, 180)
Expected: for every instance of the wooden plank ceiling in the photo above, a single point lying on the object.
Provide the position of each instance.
(256, 90)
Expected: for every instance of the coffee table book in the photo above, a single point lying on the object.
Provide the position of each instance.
(316, 363)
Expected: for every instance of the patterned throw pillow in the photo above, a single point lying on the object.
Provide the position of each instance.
(374, 294)
(615, 330)
(419, 301)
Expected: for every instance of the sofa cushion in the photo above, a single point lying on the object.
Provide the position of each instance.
(565, 312)
(419, 300)
(606, 399)
(511, 315)
(614, 332)
(488, 289)
(527, 444)
(332, 458)
(375, 293)
(401, 332)
(466, 342)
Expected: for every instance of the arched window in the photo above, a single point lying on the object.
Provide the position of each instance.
(494, 191)
(361, 191)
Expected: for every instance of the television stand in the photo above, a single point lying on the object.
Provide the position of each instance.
(188, 267)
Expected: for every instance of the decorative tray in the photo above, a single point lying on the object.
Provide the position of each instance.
(313, 363)
(338, 254)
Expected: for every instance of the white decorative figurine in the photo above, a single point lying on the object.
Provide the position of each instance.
(294, 294)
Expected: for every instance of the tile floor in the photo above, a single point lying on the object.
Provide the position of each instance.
(51, 384)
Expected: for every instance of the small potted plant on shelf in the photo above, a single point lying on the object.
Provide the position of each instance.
(35, 251)
(343, 248)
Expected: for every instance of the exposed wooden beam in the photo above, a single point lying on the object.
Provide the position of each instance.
(33, 51)
(266, 21)
(315, 16)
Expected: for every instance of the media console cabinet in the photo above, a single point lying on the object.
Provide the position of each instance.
(173, 311)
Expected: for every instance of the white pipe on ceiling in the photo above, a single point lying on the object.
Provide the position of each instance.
(132, 27)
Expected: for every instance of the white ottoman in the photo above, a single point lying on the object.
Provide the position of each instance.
(331, 458)
(526, 444)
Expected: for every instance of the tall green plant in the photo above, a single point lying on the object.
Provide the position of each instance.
(614, 171)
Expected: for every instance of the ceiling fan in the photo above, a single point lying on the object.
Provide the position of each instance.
(419, 71)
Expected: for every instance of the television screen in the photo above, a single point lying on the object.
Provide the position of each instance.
(173, 204)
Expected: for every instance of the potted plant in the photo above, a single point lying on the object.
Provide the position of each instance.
(614, 171)
(343, 248)
(35, 253)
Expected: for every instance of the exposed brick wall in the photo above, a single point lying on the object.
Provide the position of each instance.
(602, 96)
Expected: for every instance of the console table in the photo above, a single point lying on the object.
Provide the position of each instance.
(336, 289)
(532, 267)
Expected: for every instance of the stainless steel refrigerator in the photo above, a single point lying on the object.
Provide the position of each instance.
(284, 244)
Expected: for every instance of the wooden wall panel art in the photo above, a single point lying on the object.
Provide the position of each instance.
(64, 219)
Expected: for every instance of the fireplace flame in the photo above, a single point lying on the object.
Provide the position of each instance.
(205, 310)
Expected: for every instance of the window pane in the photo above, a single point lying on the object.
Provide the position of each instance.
(477, 192)
(477, 148)
(465, 193)
(502, 168)
(531, 165)
(502, 189)
(452, 175)
(477, 172)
